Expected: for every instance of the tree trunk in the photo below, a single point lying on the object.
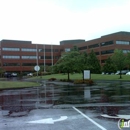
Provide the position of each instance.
(120, 75)
(83, 74)
(68, 76)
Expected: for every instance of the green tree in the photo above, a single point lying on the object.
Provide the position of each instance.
(68, 63)
(119, 59)
(75, 48)
(82, 63)
(128, 60)
(109, 66)
(93, 63)
(2, 71)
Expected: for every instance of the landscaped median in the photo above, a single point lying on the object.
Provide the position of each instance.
(78, 76)
(17, 84)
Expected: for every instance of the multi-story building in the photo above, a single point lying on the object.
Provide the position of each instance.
(22, 56)
(19, 56)
(105, 45)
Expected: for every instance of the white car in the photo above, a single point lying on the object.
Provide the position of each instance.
(30, 74)
(128, 73)
(14, 74)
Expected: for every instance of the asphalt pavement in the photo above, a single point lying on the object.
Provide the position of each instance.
(58, 119)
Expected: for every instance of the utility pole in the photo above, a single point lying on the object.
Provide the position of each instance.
(44, 59)
(37, 58)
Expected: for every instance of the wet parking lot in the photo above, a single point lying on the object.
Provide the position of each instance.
(53, 119)
(68, 107)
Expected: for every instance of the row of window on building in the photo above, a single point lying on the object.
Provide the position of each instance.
(29, 57)
(104, 44)
(30, 49)
(67, 49)
(24, 64)
(55, 57)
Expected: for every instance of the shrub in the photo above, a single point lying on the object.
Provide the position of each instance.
(66, 80)
(89, 81)
(52, 79)
(45, 73)
(78, 81)
(86, 81)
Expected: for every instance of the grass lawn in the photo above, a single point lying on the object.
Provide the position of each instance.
(21, 84)
(79, 76)
(16, 84)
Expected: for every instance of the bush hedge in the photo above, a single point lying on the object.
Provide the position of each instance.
(52, 79)
(86, 81)
(66, 80)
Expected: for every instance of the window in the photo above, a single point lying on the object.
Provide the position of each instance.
(11, 57)
(126, 51)
(97, 53)
(93, 46)
(29, 57)
(56, 57)
(11, 64)
(123, 42)
(48, 64)
(41, 50)
(107, 43)
(29, 49)
(56, 50)
(47, 57)
(10, 49)
(82, 48)
(107, 52)
(28, 64)
(67, 49)
(47, 50)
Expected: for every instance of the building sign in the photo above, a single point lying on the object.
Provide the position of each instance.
(36, 68)
(87, 74)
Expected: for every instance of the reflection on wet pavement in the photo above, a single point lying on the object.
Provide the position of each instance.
(104, 97)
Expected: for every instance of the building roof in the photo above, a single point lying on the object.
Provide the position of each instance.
(15, 41)
(75, 41)
(118, 33)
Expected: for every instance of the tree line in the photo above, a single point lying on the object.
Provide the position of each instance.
(75, 61)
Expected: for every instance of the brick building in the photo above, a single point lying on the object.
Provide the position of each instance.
(22, 56)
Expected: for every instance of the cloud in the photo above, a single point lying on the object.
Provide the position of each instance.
(49, 22)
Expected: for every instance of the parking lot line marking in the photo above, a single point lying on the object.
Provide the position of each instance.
(101, 127)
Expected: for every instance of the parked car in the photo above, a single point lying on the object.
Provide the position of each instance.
(14, 74)
(110, 73)
(7, 74)
(128, 73)
(122, 72)
(118, 72)
(30, 74)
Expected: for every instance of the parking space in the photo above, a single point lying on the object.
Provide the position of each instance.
(53, 107)
(58, 119)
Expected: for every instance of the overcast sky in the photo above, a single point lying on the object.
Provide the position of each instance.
(50, 21)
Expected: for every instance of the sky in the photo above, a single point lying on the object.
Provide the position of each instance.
(51, 21)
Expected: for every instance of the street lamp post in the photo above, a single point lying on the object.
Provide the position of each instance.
(37, 58)
(44, 59)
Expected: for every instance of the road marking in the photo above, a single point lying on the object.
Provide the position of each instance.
(49, 120)
(101, 127)
(117, 116)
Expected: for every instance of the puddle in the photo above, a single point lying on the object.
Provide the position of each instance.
(106, 98)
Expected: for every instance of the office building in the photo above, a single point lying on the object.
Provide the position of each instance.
(22, 56)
